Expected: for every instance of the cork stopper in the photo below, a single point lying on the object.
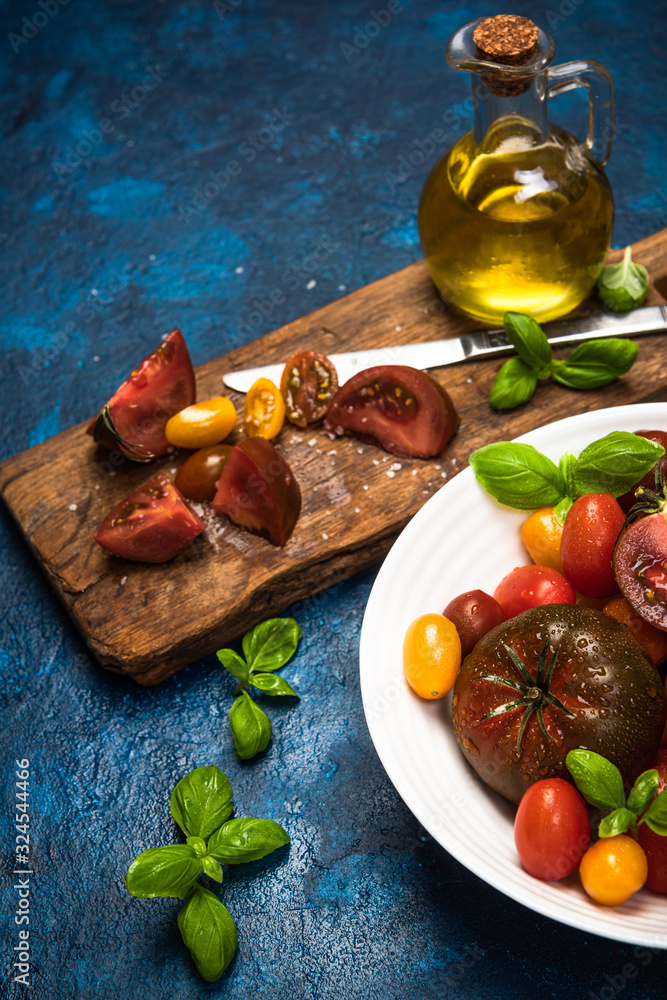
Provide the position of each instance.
(508, 40)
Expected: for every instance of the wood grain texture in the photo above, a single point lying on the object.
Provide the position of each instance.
(151, 621)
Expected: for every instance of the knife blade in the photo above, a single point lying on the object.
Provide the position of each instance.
(469, 346)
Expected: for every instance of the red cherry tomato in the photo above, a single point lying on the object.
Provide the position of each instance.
(531, 587)
(474, 614)
(655, 846)
(403, 409)
(197, 478)
(552, 830)
(590, 531)
(308, 384)
(153, 524)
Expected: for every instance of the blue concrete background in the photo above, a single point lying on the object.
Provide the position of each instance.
(110, 236)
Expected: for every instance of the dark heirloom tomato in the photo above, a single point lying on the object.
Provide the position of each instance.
(640, 566)
(648, 481)
(198, 477)
(134, 419)
(153, 524)
(655, 846)
(257, 490)
(554, 679)
(473, 614)
(308, 384)
(405, 410)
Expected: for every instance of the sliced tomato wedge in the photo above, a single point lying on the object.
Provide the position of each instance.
(153, 524)
(308, 384)
(405, 410)
(257, 490)
(134, 419)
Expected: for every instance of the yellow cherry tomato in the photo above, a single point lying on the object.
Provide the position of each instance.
(431, 655)
(613, 869)
(202, 424)
(541, 534)
(264, 409)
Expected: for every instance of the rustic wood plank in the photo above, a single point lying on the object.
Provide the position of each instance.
(150, 621)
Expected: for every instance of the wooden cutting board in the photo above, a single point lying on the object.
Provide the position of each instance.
(150, 621)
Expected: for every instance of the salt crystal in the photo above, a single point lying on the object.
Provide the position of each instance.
(341, 288)
(360, 451)
(239, 270)
(391, 473)
(96, 358)
(365, 487)
(123, 581)
(356, 510)
(398, 329)
(376, 461)
(312, 442)
(396, 466)
(332, 452)
(72, 506)
(444, 475)
(414, 472)
(151, 256)
(324, 535)
(311, 284)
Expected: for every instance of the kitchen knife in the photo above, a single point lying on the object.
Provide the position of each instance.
(470, 346)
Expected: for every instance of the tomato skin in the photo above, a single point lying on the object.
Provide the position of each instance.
(552, 830)
(531, 587)
(613, 870)
(264, 409)
(153, 524)
(402, 409)
(640, 565)
(431, 655)
(197, 478)
(473, 613)
(651, 639)
(308, 384)
(542, 534)
(648, 481)
(655, 846)
(202, 424)
(591, 528)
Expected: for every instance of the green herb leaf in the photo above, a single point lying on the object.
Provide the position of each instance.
(163, 871)
(518, 475)
(515, 384)
(567, 465)
(271, 644)
(656, 816)
(623, 286)
(232, 662)
(615, 463)
(616, 822)
(251, 727)
(598, 780)
(212, 868)
(595, 363)
(272, 684)
(198, 845)
(241, 840)
(530, 341)
(643, 791)
(202, 801)
(562, 509)
(209, 933)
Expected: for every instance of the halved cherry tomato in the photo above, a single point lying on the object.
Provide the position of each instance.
(473, 614)
(153, 524)
(134, 419)
(542, 534)
(257, 490)
(653, 640)
(308, 384)
(590, 531)
(613, 869)
(552, 830)
(202, 424)
(431, 655)
(405, 410)
(648, 481)
(531, 587)
(264, 409)
(640, 565)
(197, 478)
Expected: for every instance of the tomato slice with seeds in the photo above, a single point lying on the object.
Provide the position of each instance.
(308, 384)
(403, 409)
(264, 409)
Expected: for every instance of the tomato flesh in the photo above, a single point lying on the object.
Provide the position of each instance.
(552, 830)
(403, 409)
(308, 384)
(153, 524)
(648, 481)
(257, 490)
(640, 566)
(532, 586)
(473, 613)
(264, 409)
(198, 477)
(591, 528)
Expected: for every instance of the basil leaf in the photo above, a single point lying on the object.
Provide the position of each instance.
(656, 817)
(530, 341)
(251, 727)
(163, 871)
(518, 475)
(208, 931)
(562, 509)
(212, 868)
(271, 644)
(232, 662)
(616, 822)
(202, 801)
(596, 363)
(567, 465)
(623, 286)
(643, 791)
(515, 384)
(598, 780)
(198, 845)
(272, 684)
(615, 463)
(241, 840)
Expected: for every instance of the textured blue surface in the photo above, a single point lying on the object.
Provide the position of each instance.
(112, 231)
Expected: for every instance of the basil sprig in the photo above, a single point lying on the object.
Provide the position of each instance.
(601, 784)
(202, 801)
(267, 648)
(588, 366)
(519, 476)
(623, 286)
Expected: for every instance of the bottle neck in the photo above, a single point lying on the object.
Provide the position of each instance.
(490, 105)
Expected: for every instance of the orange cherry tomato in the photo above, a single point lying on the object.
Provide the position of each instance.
(541, 534)
(264, 409)
(653, 639)
(613, 869)
(202, 424)
(431, 655)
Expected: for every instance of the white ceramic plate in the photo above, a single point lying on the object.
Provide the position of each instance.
(461, 540)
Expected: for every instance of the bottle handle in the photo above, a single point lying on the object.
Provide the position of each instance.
(597, 81)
